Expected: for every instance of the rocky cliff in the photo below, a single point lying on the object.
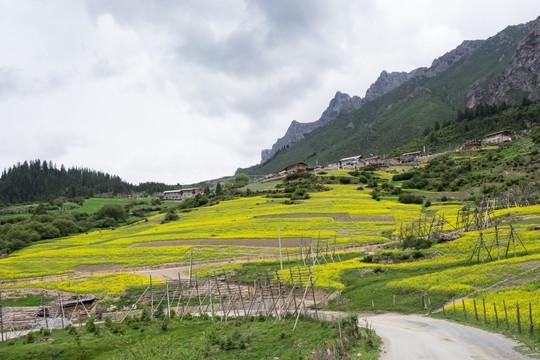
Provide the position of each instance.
(522, 75)
(341, 104)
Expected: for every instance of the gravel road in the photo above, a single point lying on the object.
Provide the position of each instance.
(418, 337)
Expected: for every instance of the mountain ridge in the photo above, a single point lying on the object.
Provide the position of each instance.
(501, 68)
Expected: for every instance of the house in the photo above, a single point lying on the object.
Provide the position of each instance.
(472, 144)
(497, 138)
(352, 162)
(179, 195)
(374, 161)
(411, 156)
(391, 161)
(333, 165)
(297, 167)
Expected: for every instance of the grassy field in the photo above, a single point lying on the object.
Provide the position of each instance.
(393, 279)
(256, 218)
(196, 338)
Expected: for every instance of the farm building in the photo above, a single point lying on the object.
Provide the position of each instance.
(179, 195)
(375, 161)
(333, 165)
(297, 167)
(352, 162)
(472, 144)
(408, 157)
(497, 137)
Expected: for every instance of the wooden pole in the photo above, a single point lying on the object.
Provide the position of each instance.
(497, 242)
(518, 317)
(484, 304)
(464, 310)
(475, 311)
(280, 256)
(328, 352)
(454, 303)
(302, 302)
(151, 298)
(429, 305)
(496, 315)
(394, 300)
(531, 326)
(44, 313)
(168, 303)
(241, 298)
(190, 267)
(313, 293)
(506, 316)
(2, 318)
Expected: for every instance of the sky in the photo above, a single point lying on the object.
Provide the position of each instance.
(179, 91)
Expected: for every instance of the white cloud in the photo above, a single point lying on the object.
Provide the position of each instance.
(182, 91)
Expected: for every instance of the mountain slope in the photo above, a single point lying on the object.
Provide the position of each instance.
(464, 77)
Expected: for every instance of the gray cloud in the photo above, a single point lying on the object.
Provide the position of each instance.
(9, 82)
(180, 91)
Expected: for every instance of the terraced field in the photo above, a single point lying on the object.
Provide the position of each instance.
(241, 227)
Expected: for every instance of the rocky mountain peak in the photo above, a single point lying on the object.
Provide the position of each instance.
(339, 105)
(442, 63)
(386, 82)
(522, 75)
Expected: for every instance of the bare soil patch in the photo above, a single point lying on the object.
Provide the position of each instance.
(97, 268)
(268, 243)
(339, 217)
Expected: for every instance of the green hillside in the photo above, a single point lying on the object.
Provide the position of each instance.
(398, 117)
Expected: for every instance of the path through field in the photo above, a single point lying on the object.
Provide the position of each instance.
(418, 337)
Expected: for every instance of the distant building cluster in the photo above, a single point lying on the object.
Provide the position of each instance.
(181, 194)
(495, 138)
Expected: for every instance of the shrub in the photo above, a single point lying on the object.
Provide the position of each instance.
(403, 176)
(408, 198)
(170, 216)
(30, 338)
(90, 325)
(416, 243)
(65, 227)
(108, 322)
(110, 210)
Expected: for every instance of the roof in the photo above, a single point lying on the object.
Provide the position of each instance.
(74, 302)
(171, 191)
(180, 190)
(498, 133)
(298, 163)
(352, 158)
(412, 153)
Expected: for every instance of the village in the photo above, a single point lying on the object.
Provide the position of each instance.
(359, 162)
(354, 163)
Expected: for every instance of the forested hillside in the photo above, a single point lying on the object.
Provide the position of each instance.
(38, 181)
(475, 123)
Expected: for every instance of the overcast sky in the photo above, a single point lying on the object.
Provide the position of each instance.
(183, 91)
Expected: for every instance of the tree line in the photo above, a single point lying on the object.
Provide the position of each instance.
(42, 181)
(475, 124)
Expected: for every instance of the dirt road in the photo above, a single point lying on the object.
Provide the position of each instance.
(418, 337)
